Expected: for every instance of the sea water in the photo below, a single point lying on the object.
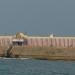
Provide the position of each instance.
(36, 67)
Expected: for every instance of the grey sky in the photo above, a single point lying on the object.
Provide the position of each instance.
(37, 16)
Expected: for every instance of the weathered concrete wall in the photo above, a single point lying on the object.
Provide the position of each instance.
(6, 40)
(3, 51)
(51, 42)
(44, 53)
(40, 47)
(64, 42)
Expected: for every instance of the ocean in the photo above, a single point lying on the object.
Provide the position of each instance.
(36, 67)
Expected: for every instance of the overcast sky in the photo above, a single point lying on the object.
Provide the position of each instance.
(37, 16)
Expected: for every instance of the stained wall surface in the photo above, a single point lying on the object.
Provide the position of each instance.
(6, 40)
(51, 42)
(42, 41)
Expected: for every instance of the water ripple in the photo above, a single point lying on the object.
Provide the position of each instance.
(36, 67)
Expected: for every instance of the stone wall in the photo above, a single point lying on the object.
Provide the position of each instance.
(64, 42)
(6, 40)
(51, 42)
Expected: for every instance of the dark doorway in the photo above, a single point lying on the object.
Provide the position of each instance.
(20, 43)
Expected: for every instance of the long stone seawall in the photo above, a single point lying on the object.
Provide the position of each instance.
(38, 47)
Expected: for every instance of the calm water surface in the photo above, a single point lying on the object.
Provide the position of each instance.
(36, 67)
